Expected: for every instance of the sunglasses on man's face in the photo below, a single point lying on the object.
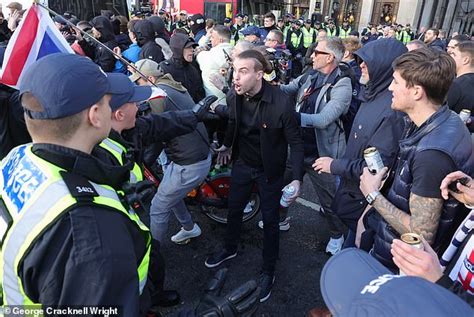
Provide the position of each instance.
(316, 52)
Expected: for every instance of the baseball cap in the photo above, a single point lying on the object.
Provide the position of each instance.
(353, 283)
(148, 68)
(78, 84)
(239, 15)
(161, 12)
(308, 21)
(251, 30)
(183, 12)
(133, 92)
(227, 20)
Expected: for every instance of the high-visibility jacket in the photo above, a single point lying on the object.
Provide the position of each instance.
(296, 39)
(403, 36)
(308, 36)
(36, 195)
(119, 151)
(331, 33)
(343, 33)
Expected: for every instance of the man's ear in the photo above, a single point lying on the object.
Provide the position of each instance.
(259, 74)
(94, 117)
(118, 115)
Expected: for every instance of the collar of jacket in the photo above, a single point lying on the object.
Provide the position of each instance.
(83, 164)
(168, 80)
(414, 134)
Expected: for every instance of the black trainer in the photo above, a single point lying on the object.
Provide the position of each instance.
(217, 258)
(265, 282)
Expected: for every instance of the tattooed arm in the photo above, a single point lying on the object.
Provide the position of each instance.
(424, 218)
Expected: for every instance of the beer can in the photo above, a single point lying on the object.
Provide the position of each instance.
(465, 114)
(414, 240)
(373, 159)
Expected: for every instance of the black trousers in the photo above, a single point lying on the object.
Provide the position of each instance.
(243, 179)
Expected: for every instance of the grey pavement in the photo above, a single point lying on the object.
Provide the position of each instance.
(302, 256)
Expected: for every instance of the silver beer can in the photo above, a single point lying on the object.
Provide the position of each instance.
(465, 114)
(373, 159)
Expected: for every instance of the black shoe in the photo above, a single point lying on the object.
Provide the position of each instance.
(166, 298)
(265, 282)
(218, 257)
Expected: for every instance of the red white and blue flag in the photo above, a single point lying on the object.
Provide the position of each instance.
(35, 37)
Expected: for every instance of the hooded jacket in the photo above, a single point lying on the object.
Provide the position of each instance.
(375, 124)
(161, 36)
(103, 57)
(146, 40)
(182, 71)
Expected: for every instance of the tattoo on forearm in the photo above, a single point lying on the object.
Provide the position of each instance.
(395, 217)
(424, 218)
(425, 215)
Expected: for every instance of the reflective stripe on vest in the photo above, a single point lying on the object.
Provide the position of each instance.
(343, 33)
(308, 37)
(118, 150)
(36, 197)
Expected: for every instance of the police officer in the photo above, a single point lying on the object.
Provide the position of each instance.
(309, 35)
(78, 244)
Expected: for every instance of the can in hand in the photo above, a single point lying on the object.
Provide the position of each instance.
(465, 114)
(288, 192)
(373, 159)
(414, 240)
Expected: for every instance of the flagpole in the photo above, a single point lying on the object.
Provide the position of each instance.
(123, 60)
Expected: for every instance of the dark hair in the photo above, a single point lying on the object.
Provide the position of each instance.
(468, 48)
(223, 31)
(432, 70)
(460, 38)
(260, 62)
(269, 15)
(435, 31)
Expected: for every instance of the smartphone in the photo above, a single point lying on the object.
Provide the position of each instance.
(453, 186)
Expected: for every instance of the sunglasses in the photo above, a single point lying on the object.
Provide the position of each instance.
(316, 52)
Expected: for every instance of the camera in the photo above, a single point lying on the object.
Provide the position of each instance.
(280, 60)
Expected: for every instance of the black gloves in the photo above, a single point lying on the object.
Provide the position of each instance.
(242, 301)
(201, 109)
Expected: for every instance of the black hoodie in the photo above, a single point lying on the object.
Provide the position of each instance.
(146, 40)
(375, 124)
(102, 56)
(182, 71)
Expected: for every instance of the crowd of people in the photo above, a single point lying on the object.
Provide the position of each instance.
(275, 102)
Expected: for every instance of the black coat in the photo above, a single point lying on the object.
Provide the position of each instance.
(278, 129)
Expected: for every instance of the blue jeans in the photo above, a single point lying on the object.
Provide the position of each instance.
(243, 179)
(178, 181)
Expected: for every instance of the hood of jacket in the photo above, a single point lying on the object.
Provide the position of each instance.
(177, 44)
(159, 27)
(103, 25)
(168, 80)
(378, 56)
(144, 32)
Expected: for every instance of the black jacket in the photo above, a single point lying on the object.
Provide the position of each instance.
(87, 244)
(375, 124)
(278, 129)
(437, 45)
(146, 40)
(102, 56)
(182, 71)
(13, 130)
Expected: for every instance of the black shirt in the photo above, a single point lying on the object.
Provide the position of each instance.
(249, 132)
(430, 167)
(461, 93)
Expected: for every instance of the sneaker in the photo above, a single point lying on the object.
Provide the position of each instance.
(335, 245)
(249, 207)
(217, 258)
(284, 224)
(184, 236)
(265, 282)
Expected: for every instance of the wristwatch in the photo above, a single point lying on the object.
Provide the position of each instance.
(371, 197)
